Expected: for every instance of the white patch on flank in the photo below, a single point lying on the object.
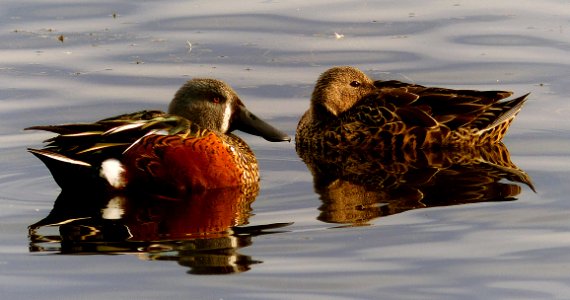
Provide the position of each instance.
(114, 172)
(227, 117)
(114, 209)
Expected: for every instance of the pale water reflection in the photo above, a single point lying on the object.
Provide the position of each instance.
(272, 52)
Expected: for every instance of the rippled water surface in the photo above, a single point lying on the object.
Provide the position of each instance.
(118, 57)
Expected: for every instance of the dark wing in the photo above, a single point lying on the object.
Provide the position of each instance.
(94, 142)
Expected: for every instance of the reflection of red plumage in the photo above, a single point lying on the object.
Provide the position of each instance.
(208, 214)
(151, 218)
(198, 229)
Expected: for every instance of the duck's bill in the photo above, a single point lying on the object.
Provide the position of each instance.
(247, 122)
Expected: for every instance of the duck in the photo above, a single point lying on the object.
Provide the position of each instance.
(350, 111)
(188, 149)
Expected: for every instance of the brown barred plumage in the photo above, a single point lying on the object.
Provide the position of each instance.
(358, 113)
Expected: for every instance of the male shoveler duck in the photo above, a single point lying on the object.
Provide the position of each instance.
(350, 111)
(190, 148)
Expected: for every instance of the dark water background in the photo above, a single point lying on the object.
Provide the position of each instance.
(122, 56)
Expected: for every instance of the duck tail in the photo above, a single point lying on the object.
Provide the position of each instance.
(498, 157)
(71, 173)
(65, 171)
(505, 112)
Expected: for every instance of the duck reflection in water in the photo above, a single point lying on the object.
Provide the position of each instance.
(381, 147)
(357, 187)
(203, 231)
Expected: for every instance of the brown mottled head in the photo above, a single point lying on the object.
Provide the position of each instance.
(339, 88)
(212, 104)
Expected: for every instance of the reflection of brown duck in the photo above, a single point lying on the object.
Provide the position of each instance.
(199, 230)
(356, 187)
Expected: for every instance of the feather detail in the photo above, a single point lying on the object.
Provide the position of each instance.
(432, 117)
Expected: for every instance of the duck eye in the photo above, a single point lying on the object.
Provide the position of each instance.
(355, 84)
(216, 100)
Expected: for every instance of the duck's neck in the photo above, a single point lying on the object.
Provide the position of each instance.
(321, 113)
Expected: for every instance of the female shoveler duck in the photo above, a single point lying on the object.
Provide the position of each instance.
(351, 111)
(190, 148)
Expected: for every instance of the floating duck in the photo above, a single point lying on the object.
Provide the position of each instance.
(350, 111)
(189, 149)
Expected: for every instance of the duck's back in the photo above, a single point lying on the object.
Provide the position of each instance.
(95, 142)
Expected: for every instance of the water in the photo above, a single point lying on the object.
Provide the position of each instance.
(125, 56)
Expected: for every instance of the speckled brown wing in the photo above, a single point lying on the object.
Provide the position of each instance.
(462, 117)
(388, 119)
